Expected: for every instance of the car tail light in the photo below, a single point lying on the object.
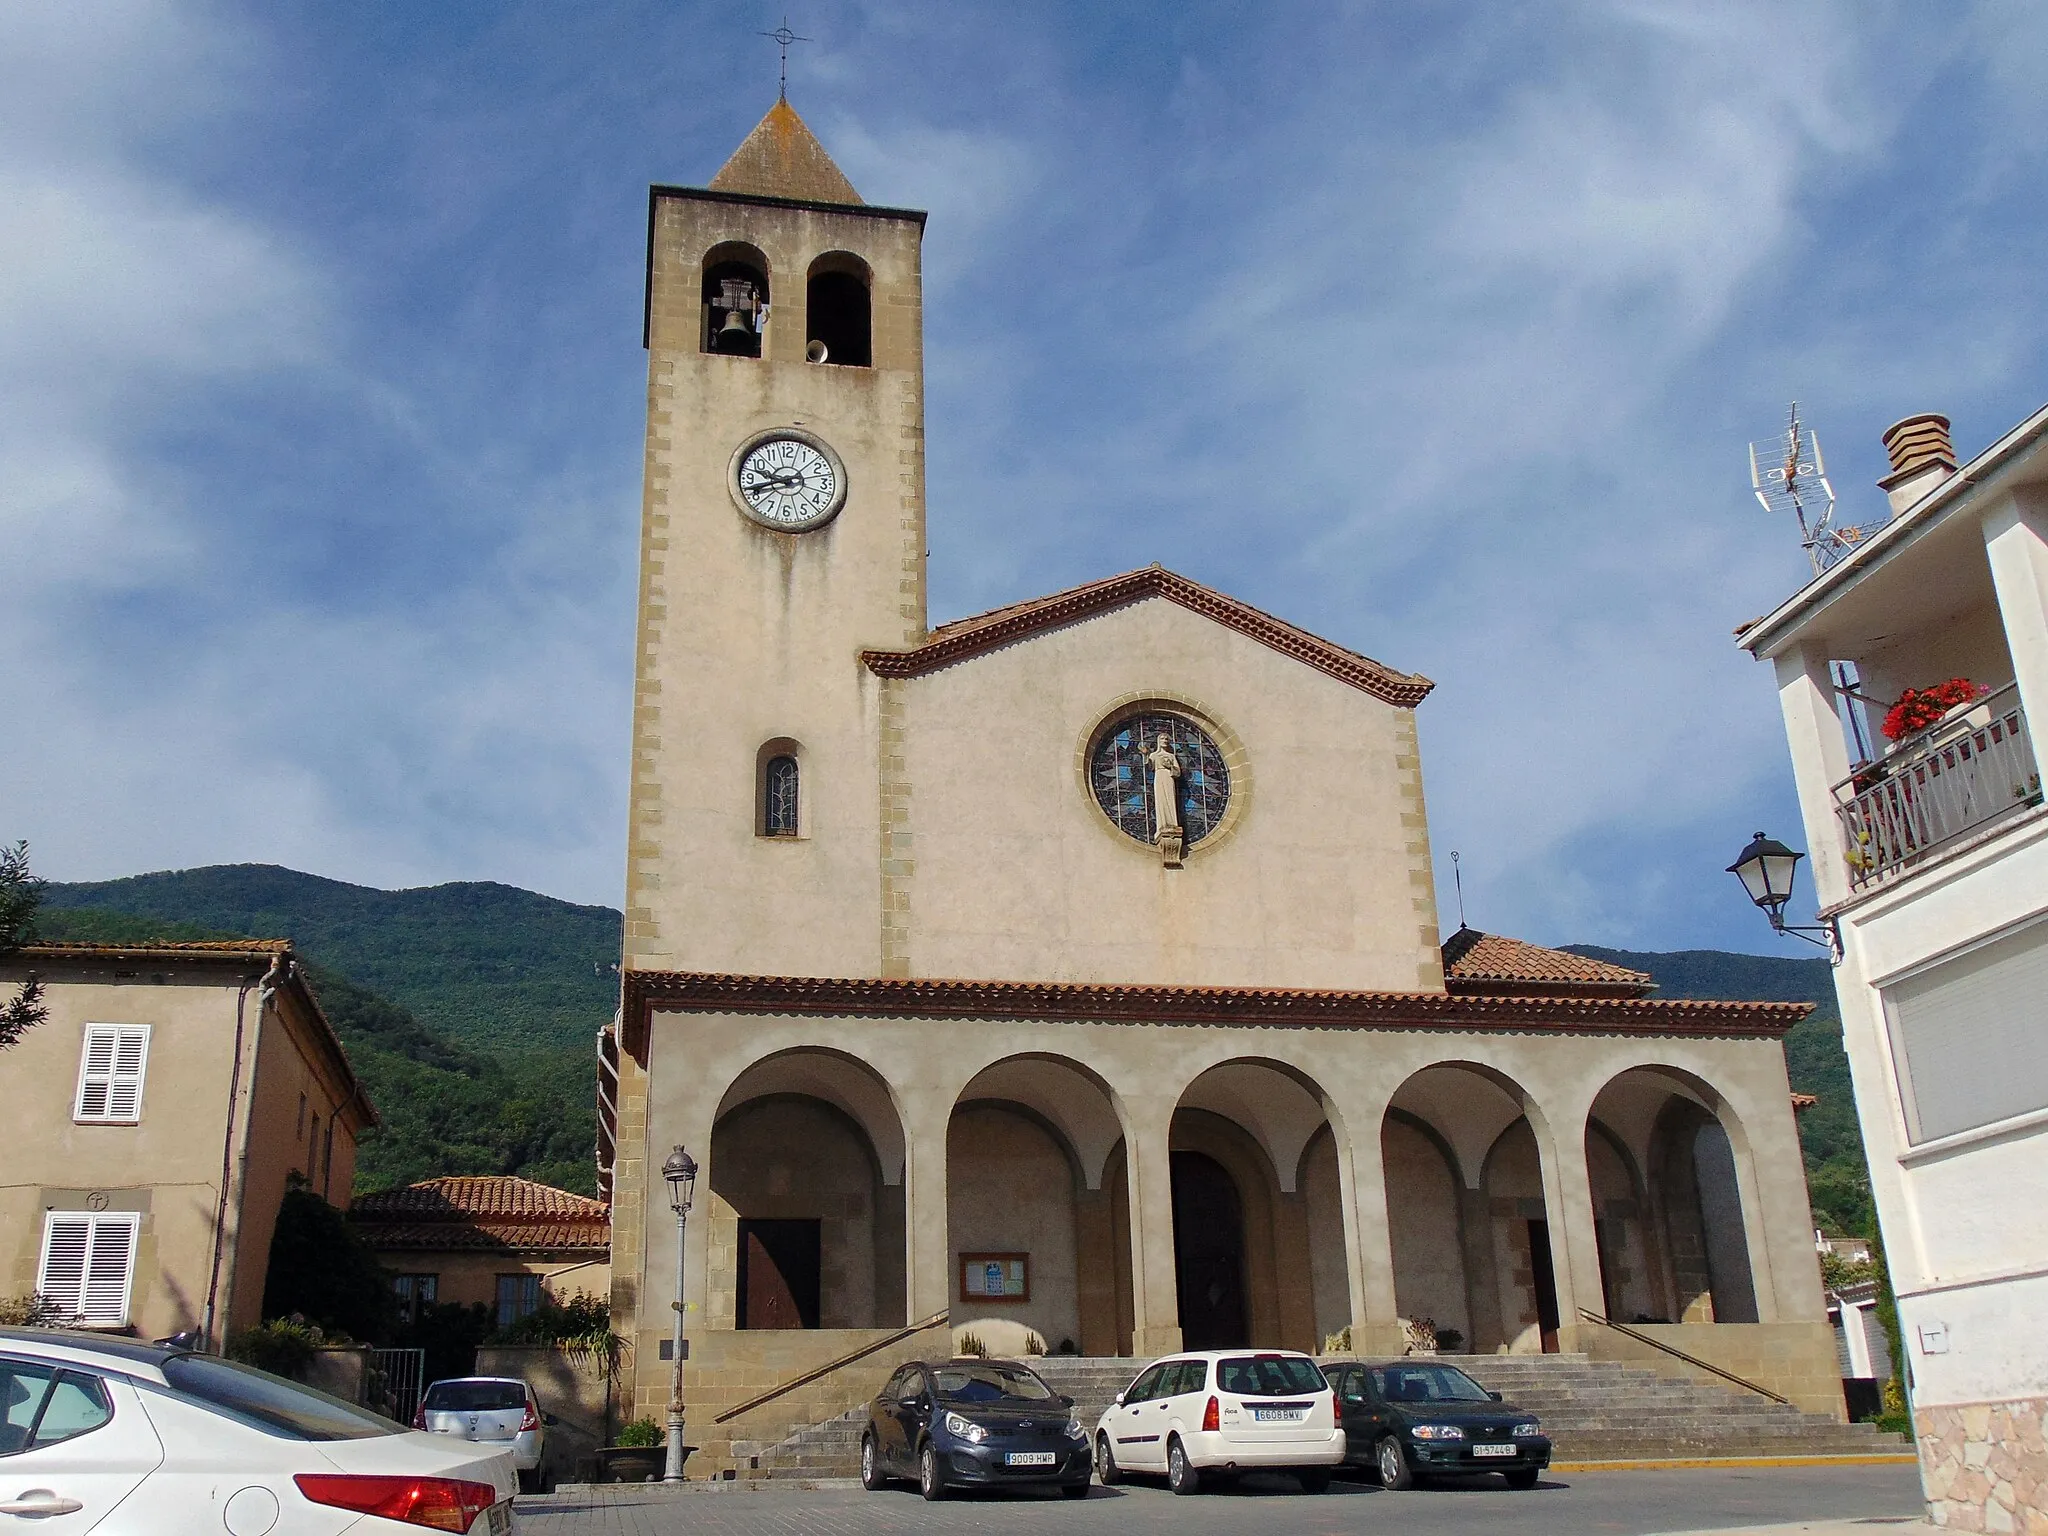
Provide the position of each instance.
(439, 1503)
(1212, 1416)
(419, 1417)
(532, 1419)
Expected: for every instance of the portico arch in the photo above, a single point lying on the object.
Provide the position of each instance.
(806, 1217)
(1036, 1173)
(1259, 1220)
(1469, 1222)
(1674, 1241)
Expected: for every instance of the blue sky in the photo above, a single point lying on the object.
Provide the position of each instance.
(1438, 329)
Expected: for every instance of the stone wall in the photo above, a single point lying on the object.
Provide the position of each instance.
(1795, 1360)
(1985, 1465)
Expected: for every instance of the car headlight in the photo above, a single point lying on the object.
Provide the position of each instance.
(1075, 1431)
(1438, 1432)
(966, 1429)
(1530, 1427)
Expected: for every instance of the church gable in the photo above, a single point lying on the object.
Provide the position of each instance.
(966, 638)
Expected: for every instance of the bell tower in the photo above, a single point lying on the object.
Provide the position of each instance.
(782, 532)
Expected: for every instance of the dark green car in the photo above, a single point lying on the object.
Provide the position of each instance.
(1414, 1420)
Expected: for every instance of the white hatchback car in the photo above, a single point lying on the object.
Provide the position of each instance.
(1221, 1412)
(126, 1439)
(499, 1412)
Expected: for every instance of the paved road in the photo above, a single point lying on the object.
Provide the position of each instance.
(1568, 1504)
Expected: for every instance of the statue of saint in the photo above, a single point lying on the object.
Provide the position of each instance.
(1165, 789)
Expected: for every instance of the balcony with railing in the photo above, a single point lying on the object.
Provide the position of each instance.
(1959, 777)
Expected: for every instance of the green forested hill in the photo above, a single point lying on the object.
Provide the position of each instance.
(1837, 1171)
(445, 1108)
(488, 965)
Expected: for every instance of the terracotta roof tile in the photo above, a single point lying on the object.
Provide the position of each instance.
(963, 639)
(523, 1236)
(468, 1197)
(1562, 1010)
(1490, 964)
(169, 948)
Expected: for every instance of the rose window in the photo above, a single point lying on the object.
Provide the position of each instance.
(1121, 771)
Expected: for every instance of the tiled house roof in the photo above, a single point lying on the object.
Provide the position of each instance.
(1489, 965)
(478, 1211)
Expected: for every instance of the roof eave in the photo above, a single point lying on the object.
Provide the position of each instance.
(1783, 626)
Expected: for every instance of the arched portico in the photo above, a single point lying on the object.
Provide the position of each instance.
(806, 1215)
(1259, 1218)
(1664, 1150)
(1037, 1207)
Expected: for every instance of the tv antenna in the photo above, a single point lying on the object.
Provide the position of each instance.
(1788, 474)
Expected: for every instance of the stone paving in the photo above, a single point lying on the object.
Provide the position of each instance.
(1835, 1501)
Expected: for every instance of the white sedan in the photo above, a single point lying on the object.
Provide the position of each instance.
(122, 1439)
(1220, 1412)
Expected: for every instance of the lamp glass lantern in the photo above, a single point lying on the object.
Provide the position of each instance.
(681, 1173)
(1766, 869)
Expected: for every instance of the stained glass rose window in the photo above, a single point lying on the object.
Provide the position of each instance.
(1122, 776)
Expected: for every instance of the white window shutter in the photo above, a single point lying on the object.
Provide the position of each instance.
(109, 1270)
(66, 1240)
(111, 1071)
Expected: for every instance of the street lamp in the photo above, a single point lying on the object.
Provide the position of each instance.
(1766, 869)
(681, 1173)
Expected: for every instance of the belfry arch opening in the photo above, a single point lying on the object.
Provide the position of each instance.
(807, 1214)
(1037, 1209)
(839, 312)
(735, 300)
(1258, 1217)
(1667, 1202)
(1468, 1223)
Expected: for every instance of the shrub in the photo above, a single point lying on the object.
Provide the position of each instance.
(641, 1434)
(321, 1268)
(581, 1328)
(283, 1346)
(30, 1311)
(1338, 1343)
(970, 1344)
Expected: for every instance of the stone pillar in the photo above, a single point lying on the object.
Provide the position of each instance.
(1368, 1235)
(1568, 1207)
(1820, 760)
(2016, 541)
(1482, 1271)
(928, 1249)
(1155, 1296)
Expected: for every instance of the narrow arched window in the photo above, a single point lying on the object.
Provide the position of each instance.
(838, 317)
(735, 301)
(779, 797)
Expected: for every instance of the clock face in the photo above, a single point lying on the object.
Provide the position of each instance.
(787, 481)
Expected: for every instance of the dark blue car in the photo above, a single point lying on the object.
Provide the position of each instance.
(1416, 1420)
(973, 1424)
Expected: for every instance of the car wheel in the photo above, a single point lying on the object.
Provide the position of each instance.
(1107, 1472)
(870, 1466)
(1314, 1479)
(929, 1483)
(1395, 1473)
(1523, 1477)
(1181, 1474)
(1074, 1490)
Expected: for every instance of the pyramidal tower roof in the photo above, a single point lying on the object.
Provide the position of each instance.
(783, 158)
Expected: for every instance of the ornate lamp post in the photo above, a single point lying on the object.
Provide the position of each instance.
(681, 1173)
(1766, 869)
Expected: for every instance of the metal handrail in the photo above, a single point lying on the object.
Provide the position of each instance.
(820, 1372)
(1679, 1354)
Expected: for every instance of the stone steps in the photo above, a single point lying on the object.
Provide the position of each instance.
(1593, 1410)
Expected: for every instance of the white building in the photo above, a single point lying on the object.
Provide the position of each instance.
(1931, 858)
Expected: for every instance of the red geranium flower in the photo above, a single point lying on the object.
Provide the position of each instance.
(1918, 708)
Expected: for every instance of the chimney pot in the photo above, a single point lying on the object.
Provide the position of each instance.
(1922, 458)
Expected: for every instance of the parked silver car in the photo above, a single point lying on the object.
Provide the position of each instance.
(498, 1411)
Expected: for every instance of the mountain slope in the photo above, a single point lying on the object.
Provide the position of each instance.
(1837, 1168)
(490, 965)
(445, 1109)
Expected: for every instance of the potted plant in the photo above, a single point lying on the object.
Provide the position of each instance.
(1920, 709)
(639, 1455)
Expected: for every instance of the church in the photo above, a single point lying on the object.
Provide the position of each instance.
(1047, 973)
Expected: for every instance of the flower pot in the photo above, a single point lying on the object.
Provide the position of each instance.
(636, 1463)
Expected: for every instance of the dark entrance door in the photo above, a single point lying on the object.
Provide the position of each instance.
(779, 1268)
(1208, 1252)
(1544, 1278)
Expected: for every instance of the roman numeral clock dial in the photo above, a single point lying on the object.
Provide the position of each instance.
(787, 480)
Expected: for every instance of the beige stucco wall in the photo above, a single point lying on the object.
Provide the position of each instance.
(169, 1165)
(465, 1275)
(1320, 879)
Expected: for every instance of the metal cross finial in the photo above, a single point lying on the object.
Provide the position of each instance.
(785, 37)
